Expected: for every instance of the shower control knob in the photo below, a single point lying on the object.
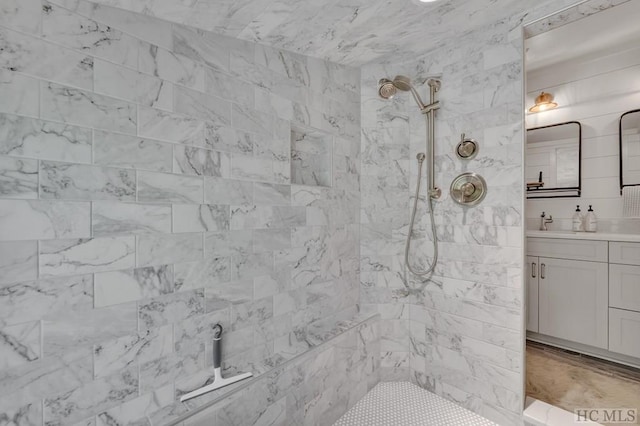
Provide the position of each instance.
(468, 189)
(467, 149)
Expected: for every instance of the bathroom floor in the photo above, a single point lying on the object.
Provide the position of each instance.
(570, 380)
(403, 403)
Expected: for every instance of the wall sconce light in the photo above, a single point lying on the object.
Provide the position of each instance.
(544, 102)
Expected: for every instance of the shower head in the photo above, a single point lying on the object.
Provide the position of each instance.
(402, 83)
(386, 88)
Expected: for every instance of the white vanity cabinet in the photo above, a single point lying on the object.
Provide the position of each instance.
(571, 288)
(585, 294)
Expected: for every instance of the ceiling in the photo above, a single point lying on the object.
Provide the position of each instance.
(351, 32)
(609, 31)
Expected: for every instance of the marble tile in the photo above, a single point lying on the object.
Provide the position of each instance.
(22, 15)
(123, 83)
(81, 182)
(22, 385)
(191, 334)
(141, 26)
(201, 47)
(170, 308)
(137, 410)
(251, 265)
(252, 120)
(200, 218)
(69, 331)
(166, 126)
(26, 137)
(111, 149)
(224, 244)
(268, 195)
(33, 300)
(80, 256)
(172, 67)
(227, 191)
(20, 344)
(86, 35)
(208, 273)
(23, 90)
(158, 249)
(93, 397)
(226, 87)
(168, 188)
(112, 288)
(228, 139)
(202, 106)
(201, 162)
(271, 240)
(109, 218)
(163, 371)
(38, 58)
(224, 295)
(115, 355)
(256, 217)
(42, 220)
(251, 168)
(21, 414)
(18, 261)
(18, 178)
(60, 103)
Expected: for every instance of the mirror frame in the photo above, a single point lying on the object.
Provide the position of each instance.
(622, 185)
(576, 189)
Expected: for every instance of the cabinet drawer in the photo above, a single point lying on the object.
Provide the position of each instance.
(625, 253)
(595, 251)
(624, 329)
(624, 287)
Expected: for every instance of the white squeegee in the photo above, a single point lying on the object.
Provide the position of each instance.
(218, 380)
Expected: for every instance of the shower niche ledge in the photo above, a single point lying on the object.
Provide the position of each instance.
(311, 155)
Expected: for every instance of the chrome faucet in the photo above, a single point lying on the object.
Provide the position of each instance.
(544, 222)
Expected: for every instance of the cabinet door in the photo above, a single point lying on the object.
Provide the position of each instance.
(624, 330)
(532, 293)
(573, 301)
(624, 287)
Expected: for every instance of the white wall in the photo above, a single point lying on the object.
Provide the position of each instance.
(595, 91)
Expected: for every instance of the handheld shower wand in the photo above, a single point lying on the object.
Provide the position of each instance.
(218, 380)
(387, 90)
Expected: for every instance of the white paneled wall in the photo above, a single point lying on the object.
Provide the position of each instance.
(595, 91)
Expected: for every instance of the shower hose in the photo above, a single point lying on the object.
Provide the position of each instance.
(433, 228)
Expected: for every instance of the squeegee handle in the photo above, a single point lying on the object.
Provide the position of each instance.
(217, 352)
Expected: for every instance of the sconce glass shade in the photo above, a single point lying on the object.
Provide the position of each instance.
(544, 102)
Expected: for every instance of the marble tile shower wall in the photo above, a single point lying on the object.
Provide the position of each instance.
(145, 195)
(458, 333)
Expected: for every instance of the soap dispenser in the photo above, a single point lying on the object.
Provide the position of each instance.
(591, 221)
(577, 224)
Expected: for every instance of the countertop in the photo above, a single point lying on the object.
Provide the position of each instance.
(598, 236)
